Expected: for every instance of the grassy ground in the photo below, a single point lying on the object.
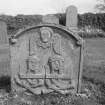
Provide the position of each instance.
(94, 67)
(94, 59)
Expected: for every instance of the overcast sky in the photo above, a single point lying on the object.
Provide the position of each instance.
(14, 7)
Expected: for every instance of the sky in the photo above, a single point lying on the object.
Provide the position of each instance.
(14, 7)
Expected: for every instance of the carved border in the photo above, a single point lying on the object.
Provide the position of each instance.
(60, 27)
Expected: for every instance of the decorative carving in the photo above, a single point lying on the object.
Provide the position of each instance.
(45, 34)
(33, 64)
(56, 65)
(45, 38)
(46, 60)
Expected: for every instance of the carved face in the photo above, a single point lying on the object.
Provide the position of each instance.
(55, 65)
(45, 35)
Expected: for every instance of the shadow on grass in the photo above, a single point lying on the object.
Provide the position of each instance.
(5, 83)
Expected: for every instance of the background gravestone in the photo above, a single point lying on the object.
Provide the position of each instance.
(5, 71)
(71, 17)
(50, 19)
(4, 50)
(3, 33)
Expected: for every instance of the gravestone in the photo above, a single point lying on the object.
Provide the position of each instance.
(46, 58)
(4, 51)
(71, 17)
(50, 19)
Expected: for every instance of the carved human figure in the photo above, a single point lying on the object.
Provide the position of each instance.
(39, 52)
(50, 51)
(45, 34)
(45, 39)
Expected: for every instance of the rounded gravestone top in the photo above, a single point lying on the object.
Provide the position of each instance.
(71, 7)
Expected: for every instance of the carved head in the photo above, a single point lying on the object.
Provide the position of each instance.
(56, 64)
(46, 34)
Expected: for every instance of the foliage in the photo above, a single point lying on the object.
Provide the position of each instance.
(100, 6)
(14, 23)
(87, 19)
(91, 32)
(94, 23)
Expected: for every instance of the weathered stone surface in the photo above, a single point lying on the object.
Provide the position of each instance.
(50, 19)
(46, 58)
(3, 33)
(4, 51)
(71, 17)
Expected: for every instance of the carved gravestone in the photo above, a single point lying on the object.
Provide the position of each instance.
(71, 17)
(46, 58)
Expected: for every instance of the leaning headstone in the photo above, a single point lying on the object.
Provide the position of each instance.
(50, 19)
(71, 17)
(4, 50)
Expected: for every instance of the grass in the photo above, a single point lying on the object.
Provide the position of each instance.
(94, 59)
(94, 67)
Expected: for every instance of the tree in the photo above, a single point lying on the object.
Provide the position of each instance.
(100, 5)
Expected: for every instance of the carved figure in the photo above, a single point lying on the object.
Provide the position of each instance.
(45, 39)
(56, 65)
(33, 64)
